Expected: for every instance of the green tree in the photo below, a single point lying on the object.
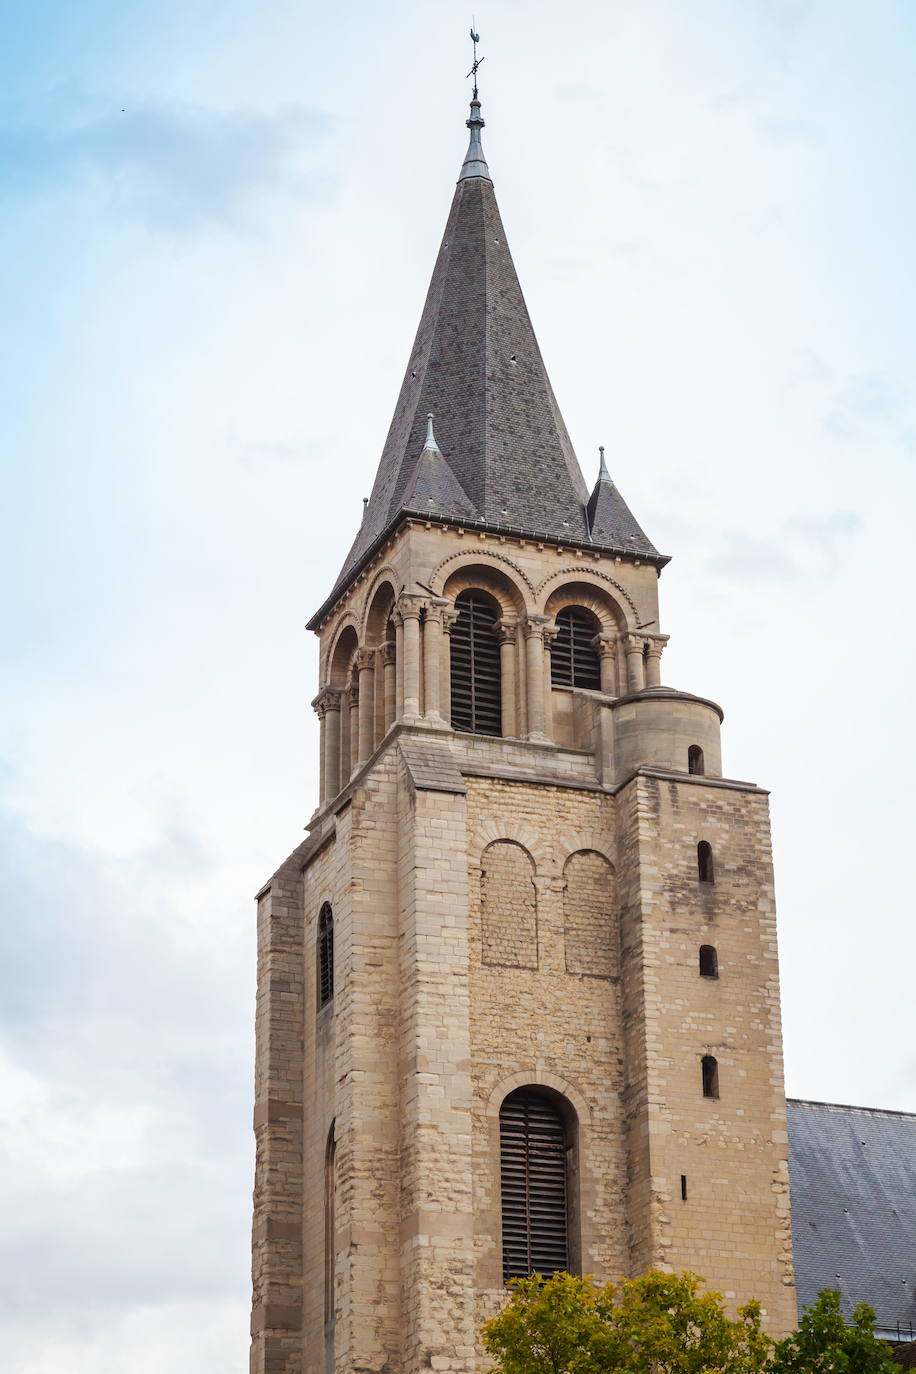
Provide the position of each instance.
(656, 1324)
(826, 1343)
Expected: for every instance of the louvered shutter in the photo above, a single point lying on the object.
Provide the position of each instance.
(533, 1185)
(476, 690)
(325, 955)
(574, 659)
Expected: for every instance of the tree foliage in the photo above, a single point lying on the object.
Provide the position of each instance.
(656, 1324)
(666, 1324)
(826, 1343)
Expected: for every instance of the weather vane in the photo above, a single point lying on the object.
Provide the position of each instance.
(475, 39)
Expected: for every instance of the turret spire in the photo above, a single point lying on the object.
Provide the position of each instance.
(475, 164)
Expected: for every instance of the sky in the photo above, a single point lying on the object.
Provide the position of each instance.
(217, 225)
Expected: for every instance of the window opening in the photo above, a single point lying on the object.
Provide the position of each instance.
(695, 760)
(705, 868)
(574, 660)
(710, 1076)
(533, 1147)
(325, 955)
(475, 675)
(709, 962)
(683, 1187)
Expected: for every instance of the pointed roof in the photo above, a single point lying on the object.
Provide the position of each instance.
(611, 523)
(476, 365)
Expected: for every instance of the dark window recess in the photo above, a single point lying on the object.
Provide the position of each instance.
(695, 761)
(709, 961)
(683, 1187)
(710, 1076)
(532, 1143)
(574, 659)
(705, 869)
(325, 955)
(475, 666)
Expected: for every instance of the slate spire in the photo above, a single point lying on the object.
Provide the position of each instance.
(610, 521)
(476, 365)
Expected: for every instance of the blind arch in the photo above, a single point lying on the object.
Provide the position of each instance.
(534, 1184)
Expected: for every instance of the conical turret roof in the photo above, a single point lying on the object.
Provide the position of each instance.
(476, 365)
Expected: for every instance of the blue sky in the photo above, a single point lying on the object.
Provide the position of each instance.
(216, 230)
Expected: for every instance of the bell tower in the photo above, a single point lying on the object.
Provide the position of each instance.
(517, 1000)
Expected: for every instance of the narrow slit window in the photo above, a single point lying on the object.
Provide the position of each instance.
(574, 660)
(533, 1184)
(695, 760)
(683, 1187)
(709, 962)
(476, 689)
(710, 1066)
(325, 955)
(705, 867)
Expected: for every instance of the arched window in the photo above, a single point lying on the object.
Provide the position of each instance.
(475, 676)
(710, 1076)
(705, 869)
(574, 659)
(533, 1179)
(325, 955)
(709, 962)
(695, 761)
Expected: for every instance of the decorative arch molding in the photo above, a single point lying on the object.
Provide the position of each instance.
(385, 574)
(350, 621)
(492, 831)
(539, 1077)
(578, 573)
(570, 842)
(486, 557)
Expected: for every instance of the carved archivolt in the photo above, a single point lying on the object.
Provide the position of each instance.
(476, 555)
(586, 575)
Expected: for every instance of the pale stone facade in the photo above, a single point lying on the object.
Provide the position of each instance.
(514, 910)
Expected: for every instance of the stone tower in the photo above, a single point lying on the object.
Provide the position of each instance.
(517, 999)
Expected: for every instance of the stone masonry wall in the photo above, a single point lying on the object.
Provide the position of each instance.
(545, 1024)
(733, 1228)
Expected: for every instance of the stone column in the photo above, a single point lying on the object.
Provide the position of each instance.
(388, 654)
(327, 705)
(365, 664)
(398, 664)
(449, 616)
(635, 676)
(352, 695)
(550, 634)
(432, 657)
(409, 607)
(656, 644)
(606, 646)
(534, 664)
(508, 641)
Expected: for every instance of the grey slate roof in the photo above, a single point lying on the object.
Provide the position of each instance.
(476, 366)
(610, 520)
(852, 1175)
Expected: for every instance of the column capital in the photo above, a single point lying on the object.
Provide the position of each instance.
(407, 608)
(351, 692)
(449, 616)
(364, 658)
(535, 626)
(633, 643)
(605, 644)
(387, 652)
(655, 644)
(507, 631)
(436, 607)
(328, 699)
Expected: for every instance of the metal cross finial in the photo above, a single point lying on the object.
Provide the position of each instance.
(475, 39)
